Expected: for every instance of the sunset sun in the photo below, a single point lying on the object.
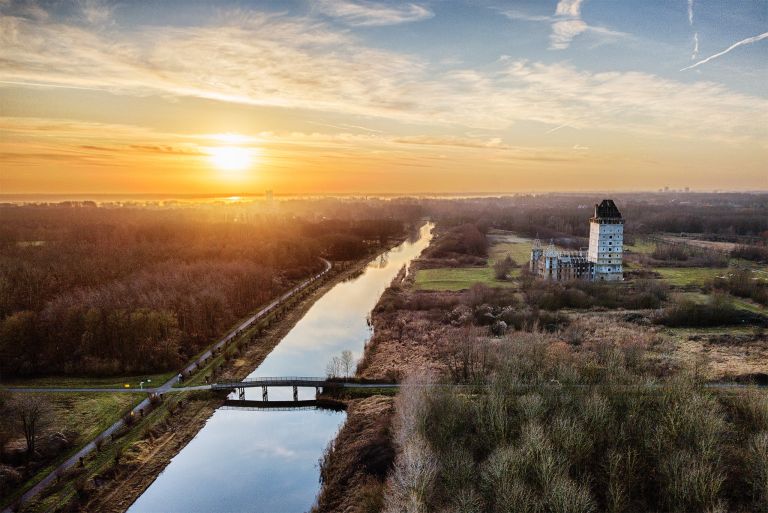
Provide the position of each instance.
(232, 161)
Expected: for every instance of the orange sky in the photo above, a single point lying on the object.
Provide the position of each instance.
(94, 101)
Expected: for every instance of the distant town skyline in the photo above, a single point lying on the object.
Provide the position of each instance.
(342, 96)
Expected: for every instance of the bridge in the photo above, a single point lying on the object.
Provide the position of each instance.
(294, 382)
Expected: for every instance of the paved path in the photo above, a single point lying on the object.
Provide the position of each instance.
(165, 387)
(324, 382)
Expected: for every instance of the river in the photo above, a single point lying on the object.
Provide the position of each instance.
(267, 461)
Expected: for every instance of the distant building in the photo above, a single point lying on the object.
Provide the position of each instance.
(603, 261)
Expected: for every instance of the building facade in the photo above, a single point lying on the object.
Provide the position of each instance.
(606, 242)
(601, 262)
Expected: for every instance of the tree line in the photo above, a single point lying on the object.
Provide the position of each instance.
(103, 290)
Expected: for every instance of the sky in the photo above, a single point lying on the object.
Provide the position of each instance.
(353, 96)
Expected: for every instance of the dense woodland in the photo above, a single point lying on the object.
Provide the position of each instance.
(733, 217)
(106, 290)
(114, 289)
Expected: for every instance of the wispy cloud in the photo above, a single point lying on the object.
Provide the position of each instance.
(695, 52)
(301, 63)
(372, 14)
(565, 24)
(690, 12)
(747, 41)
(96, 11)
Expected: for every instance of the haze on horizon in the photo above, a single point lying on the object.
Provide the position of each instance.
(343, 96)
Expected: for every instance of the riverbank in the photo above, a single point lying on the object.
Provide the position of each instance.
(356, 462)
(139, 467)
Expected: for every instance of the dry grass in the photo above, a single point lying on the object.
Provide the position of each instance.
(613, 446)
(355, 464)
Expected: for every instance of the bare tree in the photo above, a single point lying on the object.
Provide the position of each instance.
(416, 465)
(333, 369)
(341, 366)
(6, 424)
(347, 363)
(32, 415)
(466, 356)
(502, 268)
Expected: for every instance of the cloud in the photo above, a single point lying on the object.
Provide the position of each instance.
(373, 14)
(747, 41)
(96, 11)
(565, 24)
(272, 60)
(563, 32)
(569, 8)
(517, 15)
(495, 144)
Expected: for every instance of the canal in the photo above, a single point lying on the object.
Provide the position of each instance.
(267, 461)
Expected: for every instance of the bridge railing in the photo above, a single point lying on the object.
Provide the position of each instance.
(297, 381)
(284, 378)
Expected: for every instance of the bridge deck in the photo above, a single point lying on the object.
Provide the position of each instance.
(295, 381)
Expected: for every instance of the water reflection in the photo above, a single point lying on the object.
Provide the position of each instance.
(246, 461)
(266, 461)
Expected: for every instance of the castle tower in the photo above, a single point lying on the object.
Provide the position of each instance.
(536, 253)
(551, 262)
(606, 242)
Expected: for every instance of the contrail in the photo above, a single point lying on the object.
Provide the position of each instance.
(695, 45)
(690, 12)
(747, 41)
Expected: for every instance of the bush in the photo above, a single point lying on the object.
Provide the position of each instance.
(531, 442)
(753, 253)
(718, 311)
(502, 268)
(674, 255)
(744, 283)
(757, 461)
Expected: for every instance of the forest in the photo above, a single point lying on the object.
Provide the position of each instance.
(105, 290)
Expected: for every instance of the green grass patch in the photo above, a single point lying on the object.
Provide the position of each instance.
(87, 414)
(749, 306)
(90, 382)
(686, 276)
(519, 251)
(459, 278)
(641, 246)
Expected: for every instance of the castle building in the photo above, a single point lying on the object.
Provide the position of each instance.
(601, 262)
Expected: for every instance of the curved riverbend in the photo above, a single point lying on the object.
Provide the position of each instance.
(267, 461)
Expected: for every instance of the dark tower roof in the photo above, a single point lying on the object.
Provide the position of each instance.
(607, 209)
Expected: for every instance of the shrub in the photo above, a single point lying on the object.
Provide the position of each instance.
(718, 311)
(749, 252)
(744, 283)
(757, 462)
(690, 483)
(564, 495)
(502, 268)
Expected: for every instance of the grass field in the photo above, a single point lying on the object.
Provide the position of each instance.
(750, 306)
(458, 278)
(685, 276)
(90, 382)
(642, 246)
(86, 414)
(97, 461)
(519, 251)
